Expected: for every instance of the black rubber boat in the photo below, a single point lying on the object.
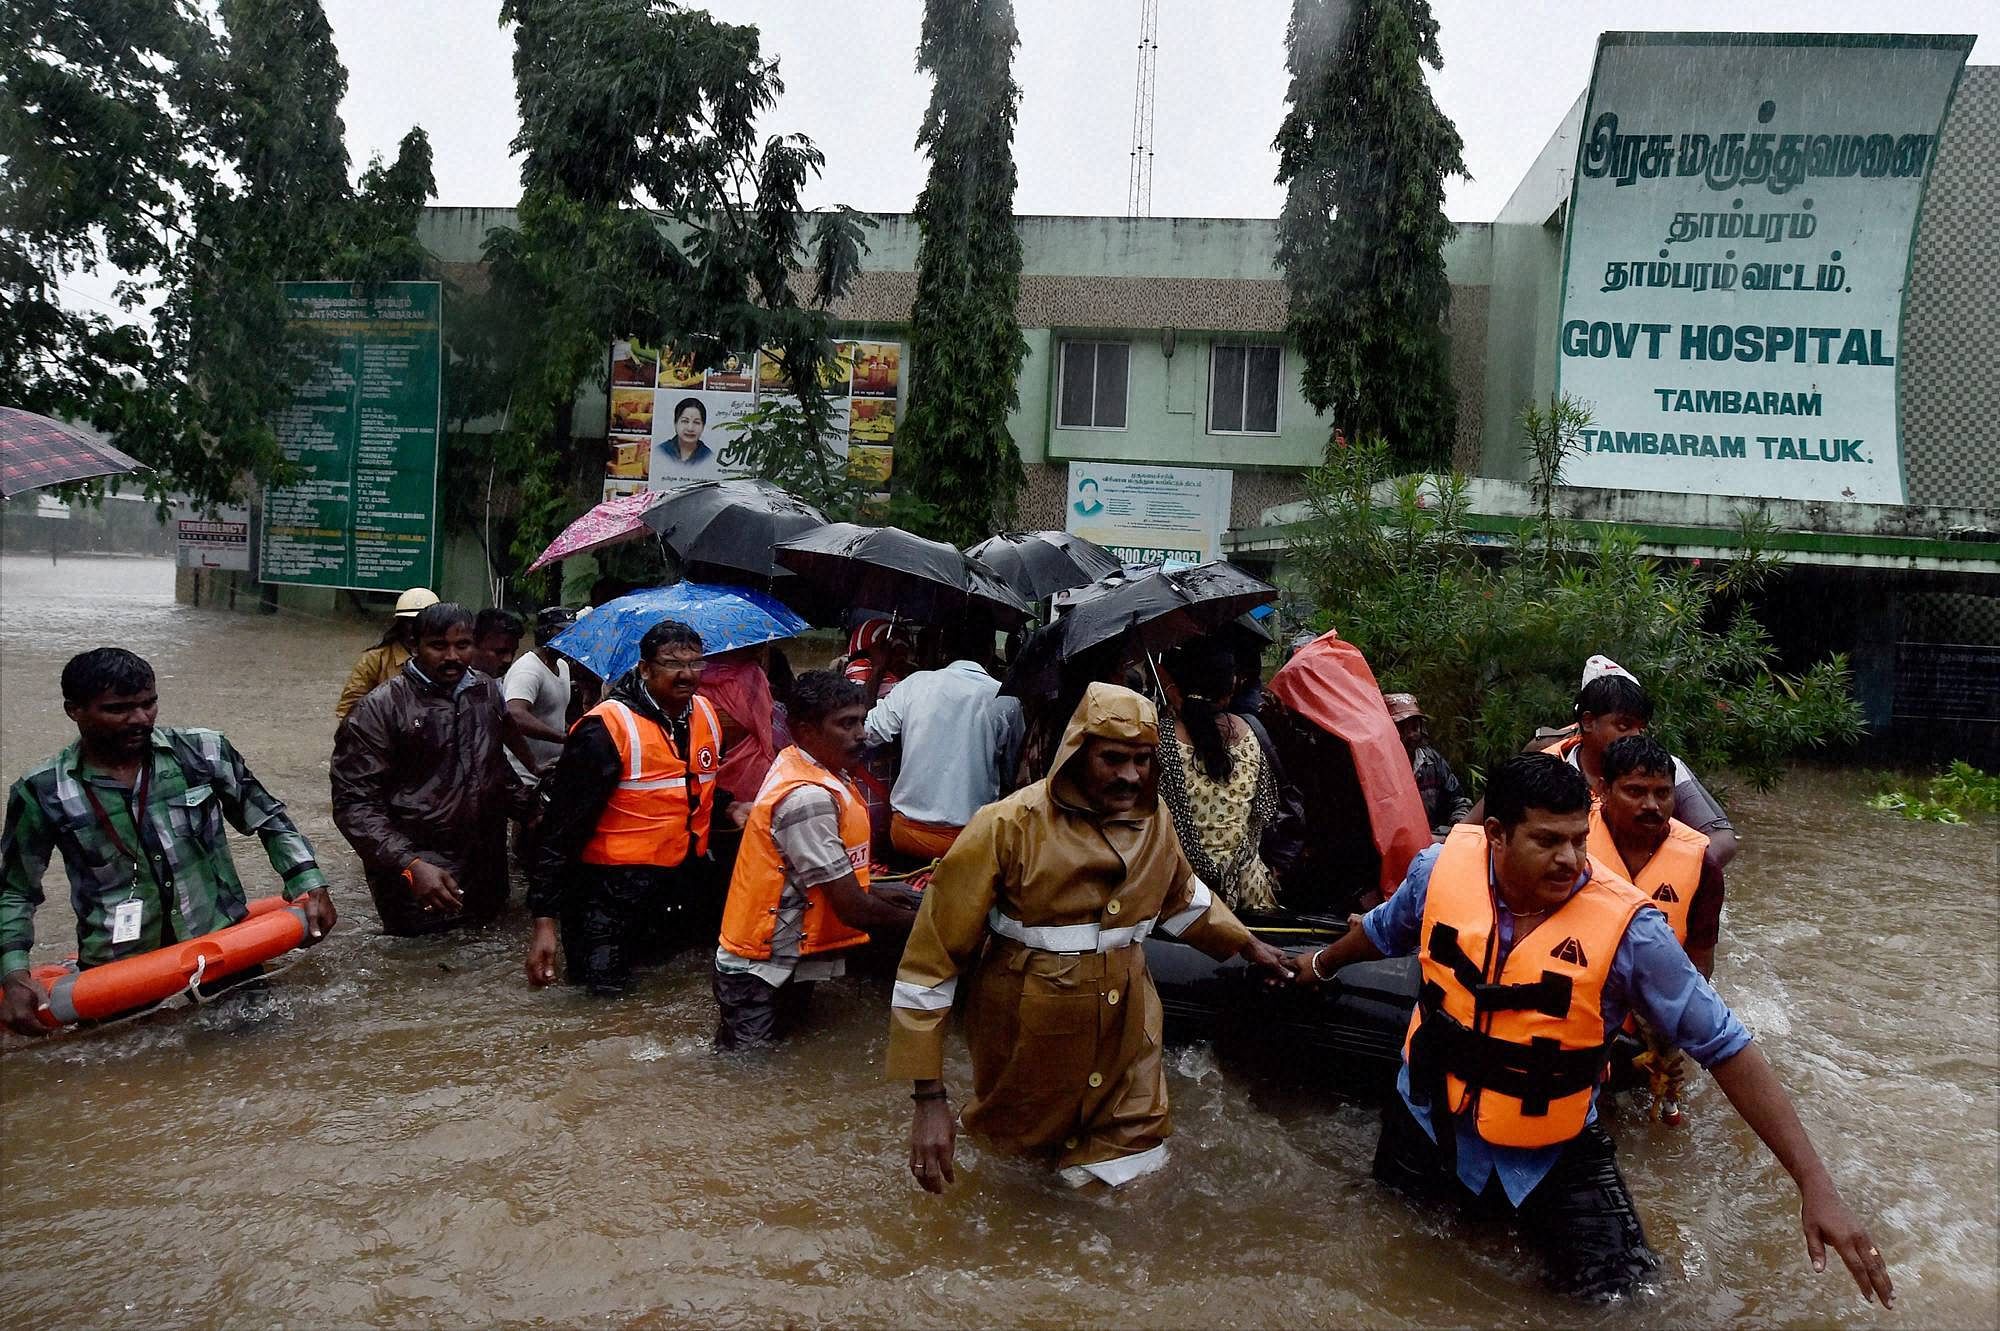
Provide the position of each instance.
(1346, 1034)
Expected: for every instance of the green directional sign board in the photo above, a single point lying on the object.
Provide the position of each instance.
(363, 429)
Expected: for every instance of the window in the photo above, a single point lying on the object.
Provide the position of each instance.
(1243, 389)
(1091, 395)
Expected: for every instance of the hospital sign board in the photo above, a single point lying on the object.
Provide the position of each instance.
(1737, 253)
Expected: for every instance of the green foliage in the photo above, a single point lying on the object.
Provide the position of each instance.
(965, 343)
(649, 208)
(776, 441)
(1364, 153)
(99, 142)
(1494, 647)
(1958, 790)
(199, 150)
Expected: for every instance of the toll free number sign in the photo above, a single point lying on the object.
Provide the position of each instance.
(1738, 247)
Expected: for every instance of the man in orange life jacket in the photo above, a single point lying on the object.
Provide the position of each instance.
(1634, 833)
(800, 896)
(1532, 955)
(624, 830)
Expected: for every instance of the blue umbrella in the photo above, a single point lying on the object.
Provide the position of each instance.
(607, 639)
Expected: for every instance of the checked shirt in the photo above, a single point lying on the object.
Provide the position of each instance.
(197, 782)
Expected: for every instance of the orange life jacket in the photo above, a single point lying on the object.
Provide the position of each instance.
(659, 813)
(1520, 1047)
(1669, 879)
(757, 888)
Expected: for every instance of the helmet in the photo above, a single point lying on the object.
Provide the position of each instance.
(413, 600)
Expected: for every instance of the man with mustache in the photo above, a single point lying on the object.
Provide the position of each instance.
(1633, 832)
(1533, 952)
(421, 785)
(137, 811)
(1042, 904)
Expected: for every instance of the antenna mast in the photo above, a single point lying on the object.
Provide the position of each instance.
(1139, 188)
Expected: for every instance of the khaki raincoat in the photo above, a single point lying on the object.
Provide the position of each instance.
(1041, 905)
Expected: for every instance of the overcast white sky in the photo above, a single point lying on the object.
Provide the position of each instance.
(1511, 68)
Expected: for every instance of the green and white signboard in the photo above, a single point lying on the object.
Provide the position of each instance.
(1738, 250)
(364, 430)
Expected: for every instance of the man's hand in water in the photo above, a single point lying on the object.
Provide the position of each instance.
(318, 906)
(542, 953)
(1278, 966)
(435, 889)
(1829, 1224)
(933, 1135)
(21, 998)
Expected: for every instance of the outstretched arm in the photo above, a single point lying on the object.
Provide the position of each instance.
(1746, 1078)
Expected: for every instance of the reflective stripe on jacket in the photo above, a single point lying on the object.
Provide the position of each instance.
(1518, 1047)
(757, 889)
(659, 813)
(1669, 879)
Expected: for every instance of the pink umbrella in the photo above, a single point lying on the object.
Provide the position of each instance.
(611, 522)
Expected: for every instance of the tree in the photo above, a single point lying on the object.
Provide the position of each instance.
(1493, 647)
(1364, 153)
(649, 209)
(207, 164)
(965, 344)
(98, 147)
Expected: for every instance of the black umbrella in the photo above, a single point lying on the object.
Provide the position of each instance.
(1040, 563)
(732, 524)
(889, 569)
(1149, 609)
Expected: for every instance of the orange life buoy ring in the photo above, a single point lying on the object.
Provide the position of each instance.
(272, 928)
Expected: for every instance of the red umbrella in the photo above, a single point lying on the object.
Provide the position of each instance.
(36, 451)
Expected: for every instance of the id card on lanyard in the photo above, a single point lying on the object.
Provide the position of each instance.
(128, 915)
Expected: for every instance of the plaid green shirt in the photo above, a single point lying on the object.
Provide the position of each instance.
(196, 781)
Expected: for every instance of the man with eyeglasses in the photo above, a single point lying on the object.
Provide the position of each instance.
(619, 873)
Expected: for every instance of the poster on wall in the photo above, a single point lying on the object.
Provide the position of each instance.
(1145, 515)
(363, 433)
(671, 422)
(1738, 244)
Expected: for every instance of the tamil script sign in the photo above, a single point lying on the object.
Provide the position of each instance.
(1145, 515)
(1738, 245)
(364, 430)
(218, 539)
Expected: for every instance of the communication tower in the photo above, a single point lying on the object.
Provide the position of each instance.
(1139, 188)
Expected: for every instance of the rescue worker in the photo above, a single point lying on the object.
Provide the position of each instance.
(1611, 704)
(140, 814)
(1633, 832)
(620, 868)
(1532, 954)
(379, 664)
(1043, 903)
(799, 898)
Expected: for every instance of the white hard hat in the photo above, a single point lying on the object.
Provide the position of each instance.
(413, 600)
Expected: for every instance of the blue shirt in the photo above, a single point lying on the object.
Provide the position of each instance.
(1650, 975)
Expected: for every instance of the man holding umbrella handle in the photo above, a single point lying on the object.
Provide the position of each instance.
(626, 822)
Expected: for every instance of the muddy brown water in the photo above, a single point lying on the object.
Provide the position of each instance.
(401, 1133)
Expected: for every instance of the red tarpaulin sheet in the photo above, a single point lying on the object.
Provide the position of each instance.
(1329, 683)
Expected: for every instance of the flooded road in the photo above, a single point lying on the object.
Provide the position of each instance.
(400, 1132)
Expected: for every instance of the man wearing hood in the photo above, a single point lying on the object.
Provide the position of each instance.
(1042, 903)
(625, 823)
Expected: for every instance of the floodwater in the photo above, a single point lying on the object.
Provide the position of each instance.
(401, 1133)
